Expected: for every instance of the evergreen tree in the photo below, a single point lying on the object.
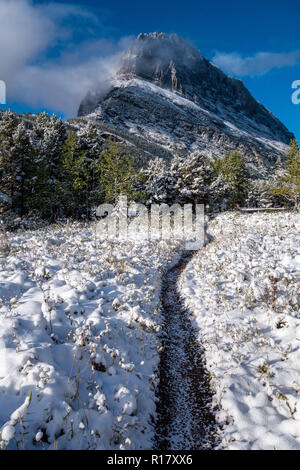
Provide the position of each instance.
(89, 139)
(5, 199)
(74, 176)
(92, 145)
(288, 185)
(8, 163)
(156, 182)
(118, 174)
(232, 168)
(192, 175)
(48, 138)
(22, 153)
(220, 194)
(260, 194)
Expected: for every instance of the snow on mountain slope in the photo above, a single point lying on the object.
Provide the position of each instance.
(167, 93)
(79, 340)
(243, 290)
(181, 102)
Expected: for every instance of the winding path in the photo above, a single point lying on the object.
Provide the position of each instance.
(185, 419)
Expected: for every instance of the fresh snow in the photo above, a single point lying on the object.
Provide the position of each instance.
(243, 291)
(178, 100)
(82, 330)
(79, 340)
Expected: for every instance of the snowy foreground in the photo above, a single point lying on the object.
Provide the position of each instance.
(79, 340)
(244, 292)
(81, 330)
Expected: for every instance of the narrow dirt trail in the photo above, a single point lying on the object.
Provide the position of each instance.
(185, 420)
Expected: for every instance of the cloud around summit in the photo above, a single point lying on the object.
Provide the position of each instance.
(53, 53)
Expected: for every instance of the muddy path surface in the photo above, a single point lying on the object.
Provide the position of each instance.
(185, 419)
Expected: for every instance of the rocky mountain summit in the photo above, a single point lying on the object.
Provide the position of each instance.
(167, 95)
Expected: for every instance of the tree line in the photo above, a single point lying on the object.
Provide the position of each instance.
(49, 170)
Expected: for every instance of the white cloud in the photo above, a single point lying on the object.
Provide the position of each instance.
(259, 64)
(24, 32)
(47, 59)
(62, 87)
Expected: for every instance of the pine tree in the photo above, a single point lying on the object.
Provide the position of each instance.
(156, 182)
(23, 156)
(73, 185)
(5, 199)
(232, 168)
(8, 163)
(92, 145)
(288, 186)
(259, 194)
(89, 139)
(220, 194)
(118, 174)
(48, 138)
(193, 175)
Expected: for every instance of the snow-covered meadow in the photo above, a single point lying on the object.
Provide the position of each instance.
(79, 339)
(244, 292)
(81, 331)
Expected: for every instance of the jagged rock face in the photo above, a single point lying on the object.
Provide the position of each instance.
(166, 92)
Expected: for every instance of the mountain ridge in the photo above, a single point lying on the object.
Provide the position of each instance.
(166, 92)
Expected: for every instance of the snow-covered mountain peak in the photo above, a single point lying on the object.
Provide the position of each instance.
(155, 53)
(166, 93)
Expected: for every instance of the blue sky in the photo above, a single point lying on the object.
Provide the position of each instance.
(60, 48)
